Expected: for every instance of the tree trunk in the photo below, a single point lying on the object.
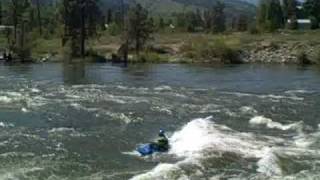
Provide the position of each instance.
(83, 31)
(39, 17)
(0, 12)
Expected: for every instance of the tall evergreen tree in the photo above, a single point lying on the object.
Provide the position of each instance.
(242, 24)
(109, 17)
(312, 8)
(218, 18)
(1, 14)
(39, 16)
(80, 19)
(162, 24)
(139, 27)
(270, 15)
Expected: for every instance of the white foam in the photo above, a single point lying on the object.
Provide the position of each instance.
(163, 88)
(203, 139)
(5, 99)
(269, 163)
(299, 91)
(60, 129)
(266, 96)
(162, 172)
(35, 90)
(261, 120)
(248, 110)
(25, 110)
(6, 125)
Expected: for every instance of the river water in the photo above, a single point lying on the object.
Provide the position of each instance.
(84, 121)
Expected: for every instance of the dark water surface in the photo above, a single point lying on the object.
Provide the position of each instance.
(83, 121)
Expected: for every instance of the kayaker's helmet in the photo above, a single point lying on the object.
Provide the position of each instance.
(162, 132)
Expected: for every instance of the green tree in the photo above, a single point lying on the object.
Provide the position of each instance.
(109, 17)
(314, 22)
(270, 15)
(1, 12)
(139, 27)
(80, 19)
(218, 19)
(20, 19)
(161, 24)
(39, 16)
(242, 24)
(312, 8)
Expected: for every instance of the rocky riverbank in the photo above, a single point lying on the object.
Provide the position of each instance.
(268, 52)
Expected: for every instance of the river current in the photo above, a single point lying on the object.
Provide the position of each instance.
(84, 121)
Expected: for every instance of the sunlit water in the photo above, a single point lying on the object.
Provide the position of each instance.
(229, 122)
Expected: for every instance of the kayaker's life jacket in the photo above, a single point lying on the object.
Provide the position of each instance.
(163, 143)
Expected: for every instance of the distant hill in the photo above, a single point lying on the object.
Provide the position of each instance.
(167, 7)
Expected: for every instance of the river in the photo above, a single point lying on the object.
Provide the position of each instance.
(84, 121)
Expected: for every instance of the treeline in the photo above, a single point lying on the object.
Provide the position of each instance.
(77, 21)
(275, 14)
(74, 21)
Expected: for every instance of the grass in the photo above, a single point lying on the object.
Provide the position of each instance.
(211, 50)
(191, 47)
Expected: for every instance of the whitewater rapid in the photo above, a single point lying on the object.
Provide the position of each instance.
(203, 145)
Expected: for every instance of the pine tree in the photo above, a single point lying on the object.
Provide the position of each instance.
(1, 12)
(312, 8)
(20, 16)
(218, 19)
(109, 17)
(139, 27)
(39, 16)
(80, 19)
(162, 24)
(270, 15)
(242, 23)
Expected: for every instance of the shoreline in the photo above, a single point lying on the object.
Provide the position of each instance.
(285, 47)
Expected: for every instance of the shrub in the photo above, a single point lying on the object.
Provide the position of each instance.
(318, 57)
(114, 29)
(148, 56)
(206, 50)
(253, 29)
(303, 58)
(314, 22)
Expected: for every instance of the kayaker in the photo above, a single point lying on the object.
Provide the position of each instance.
(162, 142)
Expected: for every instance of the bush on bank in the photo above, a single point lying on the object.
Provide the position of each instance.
(204, 50)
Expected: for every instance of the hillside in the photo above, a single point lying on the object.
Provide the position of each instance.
(167, 7)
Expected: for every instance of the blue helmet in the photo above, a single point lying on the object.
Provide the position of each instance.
(161, 132)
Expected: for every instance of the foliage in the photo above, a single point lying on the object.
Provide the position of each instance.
(150, 57)
(212, 51)
(303, 58)
(314, 22)
(270, 15)
(218, 18)
(311, 7)
(242, 24)
(140, 27)
(114, 29)
(80, 19)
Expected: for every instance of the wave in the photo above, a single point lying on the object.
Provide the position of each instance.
(272, 97)
(248, 110)
(163, 88)
(6, 125)
(261, 120)
(199, 140)
(201, 146)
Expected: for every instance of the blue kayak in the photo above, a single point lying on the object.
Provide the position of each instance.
(149, 149)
